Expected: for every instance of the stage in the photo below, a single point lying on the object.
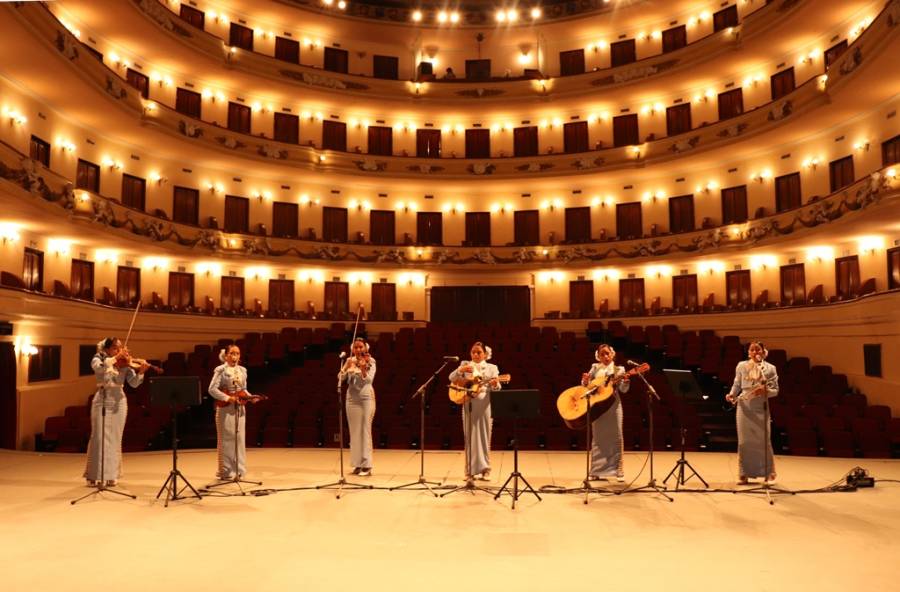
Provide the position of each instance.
(406, 540)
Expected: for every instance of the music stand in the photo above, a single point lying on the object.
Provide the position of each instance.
(172, 391)
(683, 382)
(516, 405)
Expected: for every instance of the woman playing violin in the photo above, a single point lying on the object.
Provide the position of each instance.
(477, 410)
(755, 381)
(229, 385)
(112, 366)
(607, 442)
(359, 372)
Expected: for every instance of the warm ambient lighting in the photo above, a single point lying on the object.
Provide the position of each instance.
(819, 254)
(711, 267)
(417, 16)
(411, 279)
(606, 274)
(257, 273)
(106, 256)
(659, 271)
(59, 246)
(14, 116)
(761, 176)
(9, 232)
(360, 277)
(155, 263)
(550, 277)
(758, 262)
(870, 244)
(310, 275)
(210, 269)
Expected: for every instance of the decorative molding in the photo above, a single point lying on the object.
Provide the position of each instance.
(108, 213)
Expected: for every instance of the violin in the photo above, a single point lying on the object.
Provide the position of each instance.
(125, 360)
(242, 398)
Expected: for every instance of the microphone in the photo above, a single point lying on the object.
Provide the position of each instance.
(451, 358)
(631, 363)
(343, 355)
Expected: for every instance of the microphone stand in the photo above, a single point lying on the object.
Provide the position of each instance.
(651, 485)
(586, 488)
(238, 409)
(470, 481)
(341, 483)
(422, 482)
(766, 488)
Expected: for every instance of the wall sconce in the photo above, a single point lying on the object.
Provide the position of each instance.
(157, 178)
(232, 242)
(359, 205)
(15, 118)
(811, 163)
(321, 159)
(551, 204)
(24, 347)
(860, 27)
(113, 165)
(405, 206)
(306, 201)
(66, 146)
(310, 275)
(752, 81)
(861, 146)
(635, 151)
(709, 187)
(155, 263)
(761, 176)
(262, 195)
(149, 107)
(525, 58)
(215, 188)
(106, 256)
(84, 197)
(596, 47)
(209, 269)
(809, 57)
(218, 18)
(59, 246)
(420, 252)
(545, 253)
(9, 233)
(870, 244)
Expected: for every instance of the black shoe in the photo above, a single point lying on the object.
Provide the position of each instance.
(356, 471)
(365, 472)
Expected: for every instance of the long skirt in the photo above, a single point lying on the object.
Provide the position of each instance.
(607, 443)
(360, 413)
(231, 446)
(110, 469)
(755, 457)
(478, 443)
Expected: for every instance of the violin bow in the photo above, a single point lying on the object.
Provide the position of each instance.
(355, 327)
(130, 327)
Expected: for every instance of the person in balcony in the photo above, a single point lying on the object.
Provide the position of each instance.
(449, 74)
(607, 441)
(112, 368)
(755, 382)
(477, 422)
(359, 372)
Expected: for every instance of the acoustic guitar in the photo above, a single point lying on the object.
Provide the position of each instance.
(469, 388)
(243, 397)
(572, 404)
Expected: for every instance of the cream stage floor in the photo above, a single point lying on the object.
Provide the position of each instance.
(405, 540)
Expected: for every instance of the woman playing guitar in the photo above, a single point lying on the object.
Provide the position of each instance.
(477, 410)
(607, 443)
(229, 388)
